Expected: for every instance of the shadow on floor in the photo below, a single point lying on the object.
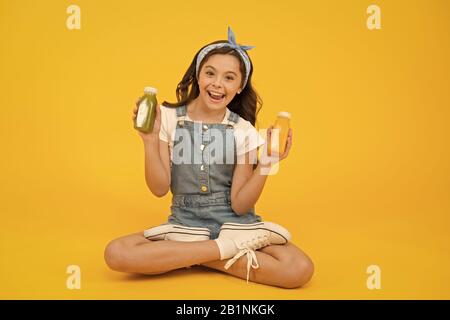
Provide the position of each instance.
(179, 273)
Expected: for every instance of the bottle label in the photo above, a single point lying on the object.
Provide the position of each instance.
(142, 113)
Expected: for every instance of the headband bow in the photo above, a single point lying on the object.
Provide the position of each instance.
(232, 44)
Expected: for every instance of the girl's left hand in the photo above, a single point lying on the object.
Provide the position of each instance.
(274, 158)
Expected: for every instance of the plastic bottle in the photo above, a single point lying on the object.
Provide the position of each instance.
(146, 114)
(277, 143)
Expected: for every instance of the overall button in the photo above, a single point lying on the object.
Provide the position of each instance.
(205, 127)
(202, 147)
(204, 188)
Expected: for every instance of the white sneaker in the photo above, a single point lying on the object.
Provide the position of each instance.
(175, 232)
(236, 240)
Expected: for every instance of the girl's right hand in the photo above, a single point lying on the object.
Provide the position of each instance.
(267, 160)
(157, 125)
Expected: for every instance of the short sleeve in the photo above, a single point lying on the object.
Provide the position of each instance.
(248, 139)
(164, 130)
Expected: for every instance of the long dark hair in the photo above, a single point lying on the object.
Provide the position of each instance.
(246, 104)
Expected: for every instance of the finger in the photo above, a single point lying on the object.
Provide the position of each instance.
(287, 149)
(289, 139)
(288, 146)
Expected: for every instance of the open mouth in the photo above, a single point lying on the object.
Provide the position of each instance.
(216, 97)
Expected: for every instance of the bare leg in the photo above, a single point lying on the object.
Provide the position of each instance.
(279, 265)
(134, 253)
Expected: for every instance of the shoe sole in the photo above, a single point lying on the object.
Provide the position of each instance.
(269, 226)
(162, 231)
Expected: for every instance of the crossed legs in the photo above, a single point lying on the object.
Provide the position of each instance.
(279, 265)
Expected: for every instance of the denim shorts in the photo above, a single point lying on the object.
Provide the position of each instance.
(209, 211)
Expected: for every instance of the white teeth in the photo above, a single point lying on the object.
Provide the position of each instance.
(217, 96)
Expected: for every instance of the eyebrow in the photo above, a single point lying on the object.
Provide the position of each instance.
(226, 72)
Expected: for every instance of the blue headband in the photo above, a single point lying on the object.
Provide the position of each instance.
(231, 44)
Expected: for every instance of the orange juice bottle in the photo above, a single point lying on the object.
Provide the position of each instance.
(277, 143)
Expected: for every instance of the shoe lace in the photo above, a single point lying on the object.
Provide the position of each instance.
(248, 248)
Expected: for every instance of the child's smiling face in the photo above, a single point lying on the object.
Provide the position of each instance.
(219, 80)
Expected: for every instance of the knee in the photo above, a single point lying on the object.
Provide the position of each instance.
(298, 272)
(114, 255)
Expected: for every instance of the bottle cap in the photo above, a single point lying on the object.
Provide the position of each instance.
(150, 90)
(284, 114)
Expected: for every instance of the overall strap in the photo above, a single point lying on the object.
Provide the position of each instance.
(233, 118)
(181, 114)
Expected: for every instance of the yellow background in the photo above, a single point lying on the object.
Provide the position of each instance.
(366, 183)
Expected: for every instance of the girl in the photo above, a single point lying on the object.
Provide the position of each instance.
(213, 179)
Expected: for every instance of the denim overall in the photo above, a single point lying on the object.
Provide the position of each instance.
(200, 178)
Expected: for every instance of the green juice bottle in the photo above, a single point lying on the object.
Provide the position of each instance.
(146, 114)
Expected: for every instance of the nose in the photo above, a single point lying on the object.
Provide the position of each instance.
(217, 82)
